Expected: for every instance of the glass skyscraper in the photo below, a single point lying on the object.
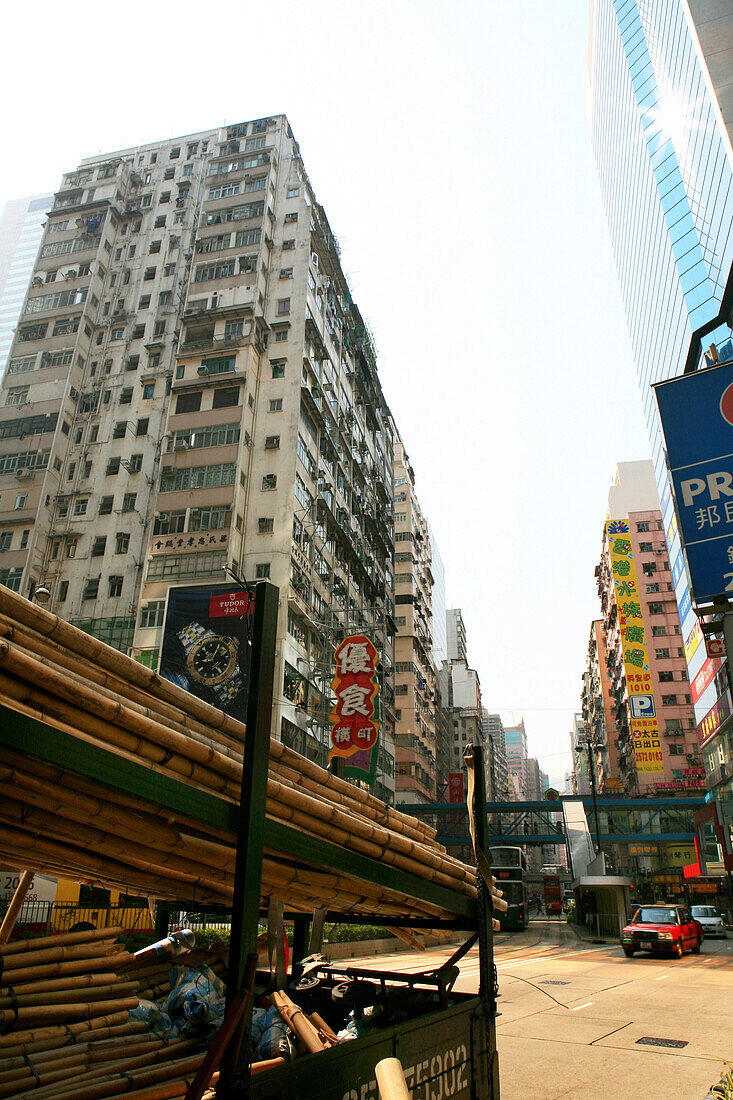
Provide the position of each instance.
(21, 229)
(659, 83)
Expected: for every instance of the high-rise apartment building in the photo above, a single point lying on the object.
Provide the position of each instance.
(21, 229)
(494, 733)
(515, 739)
(416, 688)
(456, 635)
(599, 712)
(579, 756)
(196, 388)
(653, 746)
(660, 113)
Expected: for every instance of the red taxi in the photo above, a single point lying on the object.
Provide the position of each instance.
(662, 930)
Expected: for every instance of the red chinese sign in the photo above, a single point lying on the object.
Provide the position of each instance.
(455, 787)
(354, 726)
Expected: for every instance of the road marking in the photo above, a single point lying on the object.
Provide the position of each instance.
(663, 978)
(586, 1005)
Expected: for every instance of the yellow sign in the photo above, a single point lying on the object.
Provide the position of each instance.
(693, 641)
(642, 705)
(680, 856)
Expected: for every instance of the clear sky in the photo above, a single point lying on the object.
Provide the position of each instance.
(449, 146)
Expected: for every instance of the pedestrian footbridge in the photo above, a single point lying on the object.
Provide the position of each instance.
(570, 820)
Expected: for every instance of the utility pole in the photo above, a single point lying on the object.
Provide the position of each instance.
(592, 772)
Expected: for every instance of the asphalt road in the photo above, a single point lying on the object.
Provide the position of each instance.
(572, 1015)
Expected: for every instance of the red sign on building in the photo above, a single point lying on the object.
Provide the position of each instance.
(704, 678)
(353, 723)
(456, 791)
(714, 647)
(713, 720)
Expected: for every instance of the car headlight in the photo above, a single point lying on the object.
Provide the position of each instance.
(626, 939)
(666, 936)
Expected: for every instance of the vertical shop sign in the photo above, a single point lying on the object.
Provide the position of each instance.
(642, 704)
(355, 715)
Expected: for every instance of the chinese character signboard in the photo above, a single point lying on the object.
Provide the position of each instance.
(705, 677)
(713, 720)
(455, 787)
(355, 715)
(205, 644)
(642, 709)
(696, 411)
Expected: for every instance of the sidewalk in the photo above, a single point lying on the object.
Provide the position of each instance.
(586, 936)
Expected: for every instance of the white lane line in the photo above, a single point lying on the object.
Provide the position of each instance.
(586, 1005)
(662, 979)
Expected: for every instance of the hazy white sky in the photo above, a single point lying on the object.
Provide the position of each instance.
(449, 146)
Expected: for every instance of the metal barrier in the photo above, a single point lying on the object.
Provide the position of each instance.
(66, 916)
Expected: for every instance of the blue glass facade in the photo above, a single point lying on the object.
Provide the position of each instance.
(666, 175)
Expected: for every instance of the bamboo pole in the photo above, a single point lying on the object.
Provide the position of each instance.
(16, 904)
(298, 1022)
(25, 1041)
(63, 939)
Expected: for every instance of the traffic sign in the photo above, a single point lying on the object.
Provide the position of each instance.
(696, 411)
(551, 795)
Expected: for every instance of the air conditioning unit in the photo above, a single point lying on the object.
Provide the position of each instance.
(23, 473)
(180, 445)
(162, 516)
(37, 281)
(203, 370)
(314, 259)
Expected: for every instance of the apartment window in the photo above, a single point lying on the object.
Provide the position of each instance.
(24, 538)
(224, 364)
(175, 152)
(276, 404)
(262, 570)
(649, 568)
(288, 245)
(676, 750)
(17, 396)
(292, 216)
(20, 502)
(666, 677)
(281, 334)
(165, 196)
(71, 547)
(188, 402)
(669, 700)
(180, 371)
(98, 546)
(642, 527)
(133, 362)
(63, 591)
(142, 426)
(154, 248)
(118, 432)
(272, 442)
(265, 525)
(126, 396)
(225, 399)
(122, 542)
(105, 506)
(148, 390)
(232, 329)
(286, 272)
(661, 654)
(128, 502)
(91, 590)
(113, 467)
(659, 631)
(138, 332)
(292, 192)
(154, 360)
(145, 299)
(283, 306)
(115, 586)
(149, 274)
(117, 334)
(160, 224)
(278, 368)
(6, 539)
(152, 614)
(269, 481)
(135, 464)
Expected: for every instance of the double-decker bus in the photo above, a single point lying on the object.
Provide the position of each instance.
(509, 868)
(553, 895)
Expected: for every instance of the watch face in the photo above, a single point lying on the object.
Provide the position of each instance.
(212, 660)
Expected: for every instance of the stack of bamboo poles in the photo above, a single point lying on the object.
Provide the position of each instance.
(65, 1030)
(59, 823)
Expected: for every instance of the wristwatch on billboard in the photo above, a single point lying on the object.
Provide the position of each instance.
(212, 660)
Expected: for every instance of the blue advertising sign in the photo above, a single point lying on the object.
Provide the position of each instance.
(685, 606)
(696, 411)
